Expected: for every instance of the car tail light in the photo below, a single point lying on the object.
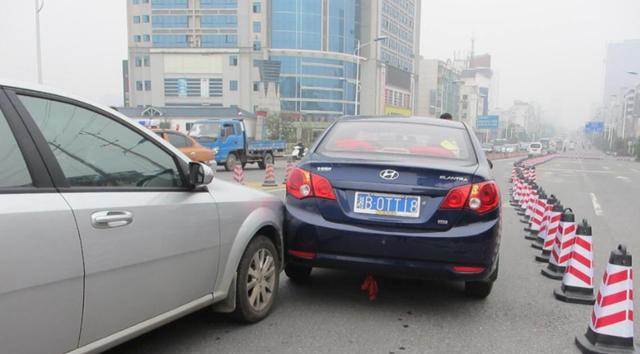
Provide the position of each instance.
(468, 270)
(304, 184)
(480, 197)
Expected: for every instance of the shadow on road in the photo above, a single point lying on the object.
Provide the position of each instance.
(330, 293)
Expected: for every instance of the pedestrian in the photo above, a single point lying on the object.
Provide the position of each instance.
(446, 116)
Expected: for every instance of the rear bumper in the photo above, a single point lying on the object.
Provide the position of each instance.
(428, 255)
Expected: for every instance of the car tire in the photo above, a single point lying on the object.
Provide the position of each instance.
(482, 289)
(230, 164)
(297, 273)
(478, 289)
(266, 159)
(253, 304)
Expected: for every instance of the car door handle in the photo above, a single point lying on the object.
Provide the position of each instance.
(111, 219)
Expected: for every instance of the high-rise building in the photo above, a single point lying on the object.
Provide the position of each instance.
(438, 88)
(622, 57)
(196, 52)
(389, 74)
(293, 56)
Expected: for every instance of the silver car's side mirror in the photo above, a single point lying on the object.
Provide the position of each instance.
(199, 174)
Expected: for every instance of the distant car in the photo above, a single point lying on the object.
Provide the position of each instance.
(487, 147)
(510, 148)
(535, 149)
(410, 197)
(188, 145)
(498, 148)
(523, 146)
(572, 145)
(108, 231)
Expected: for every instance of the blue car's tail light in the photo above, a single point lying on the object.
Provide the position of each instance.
(304, 184)
(468, 270)
(480, 197)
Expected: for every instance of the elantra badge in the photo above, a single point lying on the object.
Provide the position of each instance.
(389, 175)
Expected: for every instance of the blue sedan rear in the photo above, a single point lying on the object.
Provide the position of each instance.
(406, 197)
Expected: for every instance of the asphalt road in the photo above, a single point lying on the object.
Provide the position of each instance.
(332, 315)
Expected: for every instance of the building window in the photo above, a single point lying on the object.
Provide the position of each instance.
(219, 21)
(257, 7)
(135, 2)
(137, 38)
(257, 27)
(147, 62)
(219, 41)
(169, 21)
(145, 18)
(256, 86)
(136, 19)
(233, 85)
(138, 85)
(233, 60)
(170, 41)
(215, 87)
(138, 61)
(145, 1)
(257, 45)
(225, 4)
(146, 38)
(169, 4)
(147, 85)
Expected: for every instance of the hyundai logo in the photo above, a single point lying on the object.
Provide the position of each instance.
(389, 175)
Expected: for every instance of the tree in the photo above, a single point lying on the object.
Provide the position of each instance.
(280, 128)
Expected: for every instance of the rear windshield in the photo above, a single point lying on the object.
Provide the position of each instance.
(398, 139)
(536, 146)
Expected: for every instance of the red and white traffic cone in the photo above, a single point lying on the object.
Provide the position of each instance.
(531, 202)
(269, 177)
(288, 169)
(552, 229)
(542, 234)
(577, 282)
(539, 207)
(565, 239)
(611, 327)
(517, 191)
(524, 201)
(238, 173)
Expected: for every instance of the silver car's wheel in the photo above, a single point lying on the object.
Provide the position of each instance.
(258, 277)
(261, 279)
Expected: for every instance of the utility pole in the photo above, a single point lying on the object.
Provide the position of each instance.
(39, 6)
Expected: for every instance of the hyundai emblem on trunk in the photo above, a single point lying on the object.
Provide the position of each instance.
(389, 175)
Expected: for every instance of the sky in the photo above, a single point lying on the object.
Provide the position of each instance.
(548, 51)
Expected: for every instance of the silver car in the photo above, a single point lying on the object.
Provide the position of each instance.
(107, 231)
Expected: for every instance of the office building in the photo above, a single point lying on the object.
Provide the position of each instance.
(389, 71)
(438, 88)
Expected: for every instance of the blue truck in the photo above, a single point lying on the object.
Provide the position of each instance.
(228, 139)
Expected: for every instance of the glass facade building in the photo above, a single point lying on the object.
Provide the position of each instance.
(314, 35)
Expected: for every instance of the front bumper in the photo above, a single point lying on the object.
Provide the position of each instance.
(428, 255)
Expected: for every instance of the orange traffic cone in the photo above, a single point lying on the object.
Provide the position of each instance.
(238, 173)
(269, 178)
(611, 327)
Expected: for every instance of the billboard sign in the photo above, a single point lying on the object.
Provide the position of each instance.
(487, 122)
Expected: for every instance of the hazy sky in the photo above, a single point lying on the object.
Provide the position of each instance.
(549, 51)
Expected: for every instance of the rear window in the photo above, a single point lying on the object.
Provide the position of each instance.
(398, 139)
(536, 146)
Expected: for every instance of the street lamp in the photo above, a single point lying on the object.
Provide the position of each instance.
(39, 6)
(356, 52)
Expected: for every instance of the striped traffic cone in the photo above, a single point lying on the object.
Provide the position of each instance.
(533, 199)
(565, 238)
(269, 177)
(611, 327)
(577, 282)
(238, 173)
(524, 202)
(542, 234)
(537, 214)
(288, 169)
(552, 229)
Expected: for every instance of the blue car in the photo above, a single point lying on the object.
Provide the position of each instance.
(400, 197)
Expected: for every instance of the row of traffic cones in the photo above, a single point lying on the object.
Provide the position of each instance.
(566, 247)
(269, 178)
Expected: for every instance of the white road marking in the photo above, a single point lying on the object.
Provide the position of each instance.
(606, 168)
(596, 206)
(626, 179)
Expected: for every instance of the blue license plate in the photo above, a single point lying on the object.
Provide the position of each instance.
(387, 204)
